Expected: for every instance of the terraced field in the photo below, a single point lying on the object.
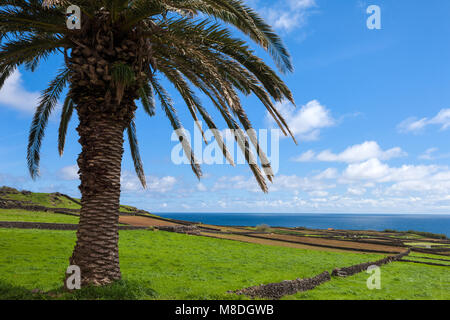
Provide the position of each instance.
(197, 261)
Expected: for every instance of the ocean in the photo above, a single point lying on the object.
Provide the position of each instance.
(434, 223)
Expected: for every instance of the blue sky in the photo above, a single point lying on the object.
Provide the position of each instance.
(372, 120)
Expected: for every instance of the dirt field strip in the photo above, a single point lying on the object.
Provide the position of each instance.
(269, 242)
(145, 221)
(335, 244)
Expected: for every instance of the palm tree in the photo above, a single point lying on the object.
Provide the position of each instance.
(117, 57)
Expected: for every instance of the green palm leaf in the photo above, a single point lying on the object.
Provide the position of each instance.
(47, 104)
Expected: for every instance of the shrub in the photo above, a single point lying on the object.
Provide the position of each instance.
(263, 228)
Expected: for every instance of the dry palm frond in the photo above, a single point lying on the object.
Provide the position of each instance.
(51, 3)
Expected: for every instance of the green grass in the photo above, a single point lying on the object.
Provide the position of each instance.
(48, 200)
(159, 265)
(35, 216)
(126, 209)
(399, 281)
(44, 199)
(425, 244)
(407, 237)
(447, 263)
(423, 258)
(162, 265)
(429, 255)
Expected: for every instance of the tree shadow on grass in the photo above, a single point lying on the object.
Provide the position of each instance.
(120, 290)
(9, 291)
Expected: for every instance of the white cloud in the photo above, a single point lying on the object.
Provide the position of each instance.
(330, 173)
(69, 173)
(357, 153)
(307, 121)
(356, 191)
(428, 154)
(414, 125)
(376, 171)
(372, 169)
(130, 183)
(318, 193)
(421, 186)
(287, 15)
(222, 204)
(442, 118)
(306, 156)
(14, 95)
(280, 183)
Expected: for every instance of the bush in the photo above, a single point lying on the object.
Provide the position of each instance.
(420, 233)
(429, 234)
(263, 228)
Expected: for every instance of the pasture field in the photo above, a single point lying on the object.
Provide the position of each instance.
(164, 265)
(168, 265)
(36, 216)
(399, 281)
(43, 199)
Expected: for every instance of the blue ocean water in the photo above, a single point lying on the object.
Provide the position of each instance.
(402, 222)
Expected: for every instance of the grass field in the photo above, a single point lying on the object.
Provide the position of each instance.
(35, 216)
(399, 280)
(161, 265)
(44, 199)
(168, 265)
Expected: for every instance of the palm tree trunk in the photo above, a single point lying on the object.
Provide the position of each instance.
(96, 251)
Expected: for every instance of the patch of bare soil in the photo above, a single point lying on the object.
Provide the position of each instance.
(144, 222)
(268, 242)
(334, 243)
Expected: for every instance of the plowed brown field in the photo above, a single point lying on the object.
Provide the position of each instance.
(334, 243)
(269, 242)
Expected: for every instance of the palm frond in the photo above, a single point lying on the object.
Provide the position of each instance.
(29, 50)
(167, 105)
(5, 72)
(193, 102)
(239, 15)
(50, 3)
(134, 148)
(123, 77)
(147, 99)
(66, 115)
(47, 104)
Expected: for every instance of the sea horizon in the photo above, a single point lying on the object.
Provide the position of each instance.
(435, 223)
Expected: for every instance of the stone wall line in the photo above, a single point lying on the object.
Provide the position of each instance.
(290, 287)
